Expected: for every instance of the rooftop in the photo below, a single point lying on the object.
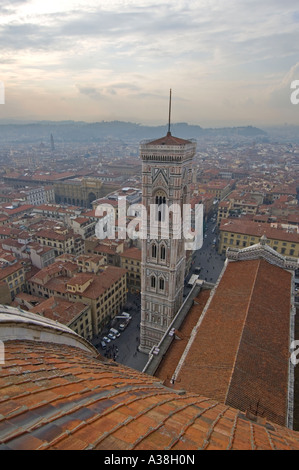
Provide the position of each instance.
(61, 397)
(249, 227)
(238, 352)
(98, 283)
(54, 235)
(10, 269)
(169, 140)
(134, 253)
(59, 310)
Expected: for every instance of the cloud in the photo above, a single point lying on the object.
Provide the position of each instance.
(280, 94)
(137, 49)
(8, 6)
(112, 90)
(91, 92)
(161, 31)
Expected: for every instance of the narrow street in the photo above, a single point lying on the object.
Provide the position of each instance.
(207, 257)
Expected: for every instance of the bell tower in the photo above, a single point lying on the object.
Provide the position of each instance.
(166, 181)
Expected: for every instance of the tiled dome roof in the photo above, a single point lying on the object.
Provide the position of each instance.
(57, 396)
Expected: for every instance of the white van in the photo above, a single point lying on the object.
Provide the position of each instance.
(126, 316)
(114, 332)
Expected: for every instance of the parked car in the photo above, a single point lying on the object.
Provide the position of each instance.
(114, 332)
(111, 336)
(107, 340)
(126, 315)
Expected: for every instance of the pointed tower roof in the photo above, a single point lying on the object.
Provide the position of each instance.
(169, 140)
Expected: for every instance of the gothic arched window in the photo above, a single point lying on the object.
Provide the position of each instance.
(161, 283)
(160, 202)
(154, 251)
(153, 282)
(162, 252)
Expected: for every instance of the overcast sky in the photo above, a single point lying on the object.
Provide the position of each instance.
(228, 62)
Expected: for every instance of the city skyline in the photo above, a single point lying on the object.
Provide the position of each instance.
(228, 63)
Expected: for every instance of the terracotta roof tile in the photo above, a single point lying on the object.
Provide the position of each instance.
(249, 227)
(134, 253)
(169, 140)
(231, 358)
(61, 397)
(59, 310)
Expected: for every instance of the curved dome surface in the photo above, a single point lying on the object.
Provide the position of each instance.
(56, 396)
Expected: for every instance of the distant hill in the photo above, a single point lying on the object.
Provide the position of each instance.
(283, 134)
(77, 131)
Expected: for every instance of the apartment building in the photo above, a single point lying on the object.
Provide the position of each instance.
(207, 200)
(13, 274)
(75, 315)
(131, 261)
(41, 256)
(83, 226)
(6, 232)
(241, 233)
(237, 203)
(91, 264)
(57, 212)
(37, 196)
(61, 239)
(223, 211)
(105, 292)
(218, 188)
(15, 210)
(109, 249)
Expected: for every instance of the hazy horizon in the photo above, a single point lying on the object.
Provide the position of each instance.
(13, 121)
(228, 63)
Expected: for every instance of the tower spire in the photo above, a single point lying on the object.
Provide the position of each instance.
(169, 133)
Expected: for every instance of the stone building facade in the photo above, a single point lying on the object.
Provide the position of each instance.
(166, 181)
